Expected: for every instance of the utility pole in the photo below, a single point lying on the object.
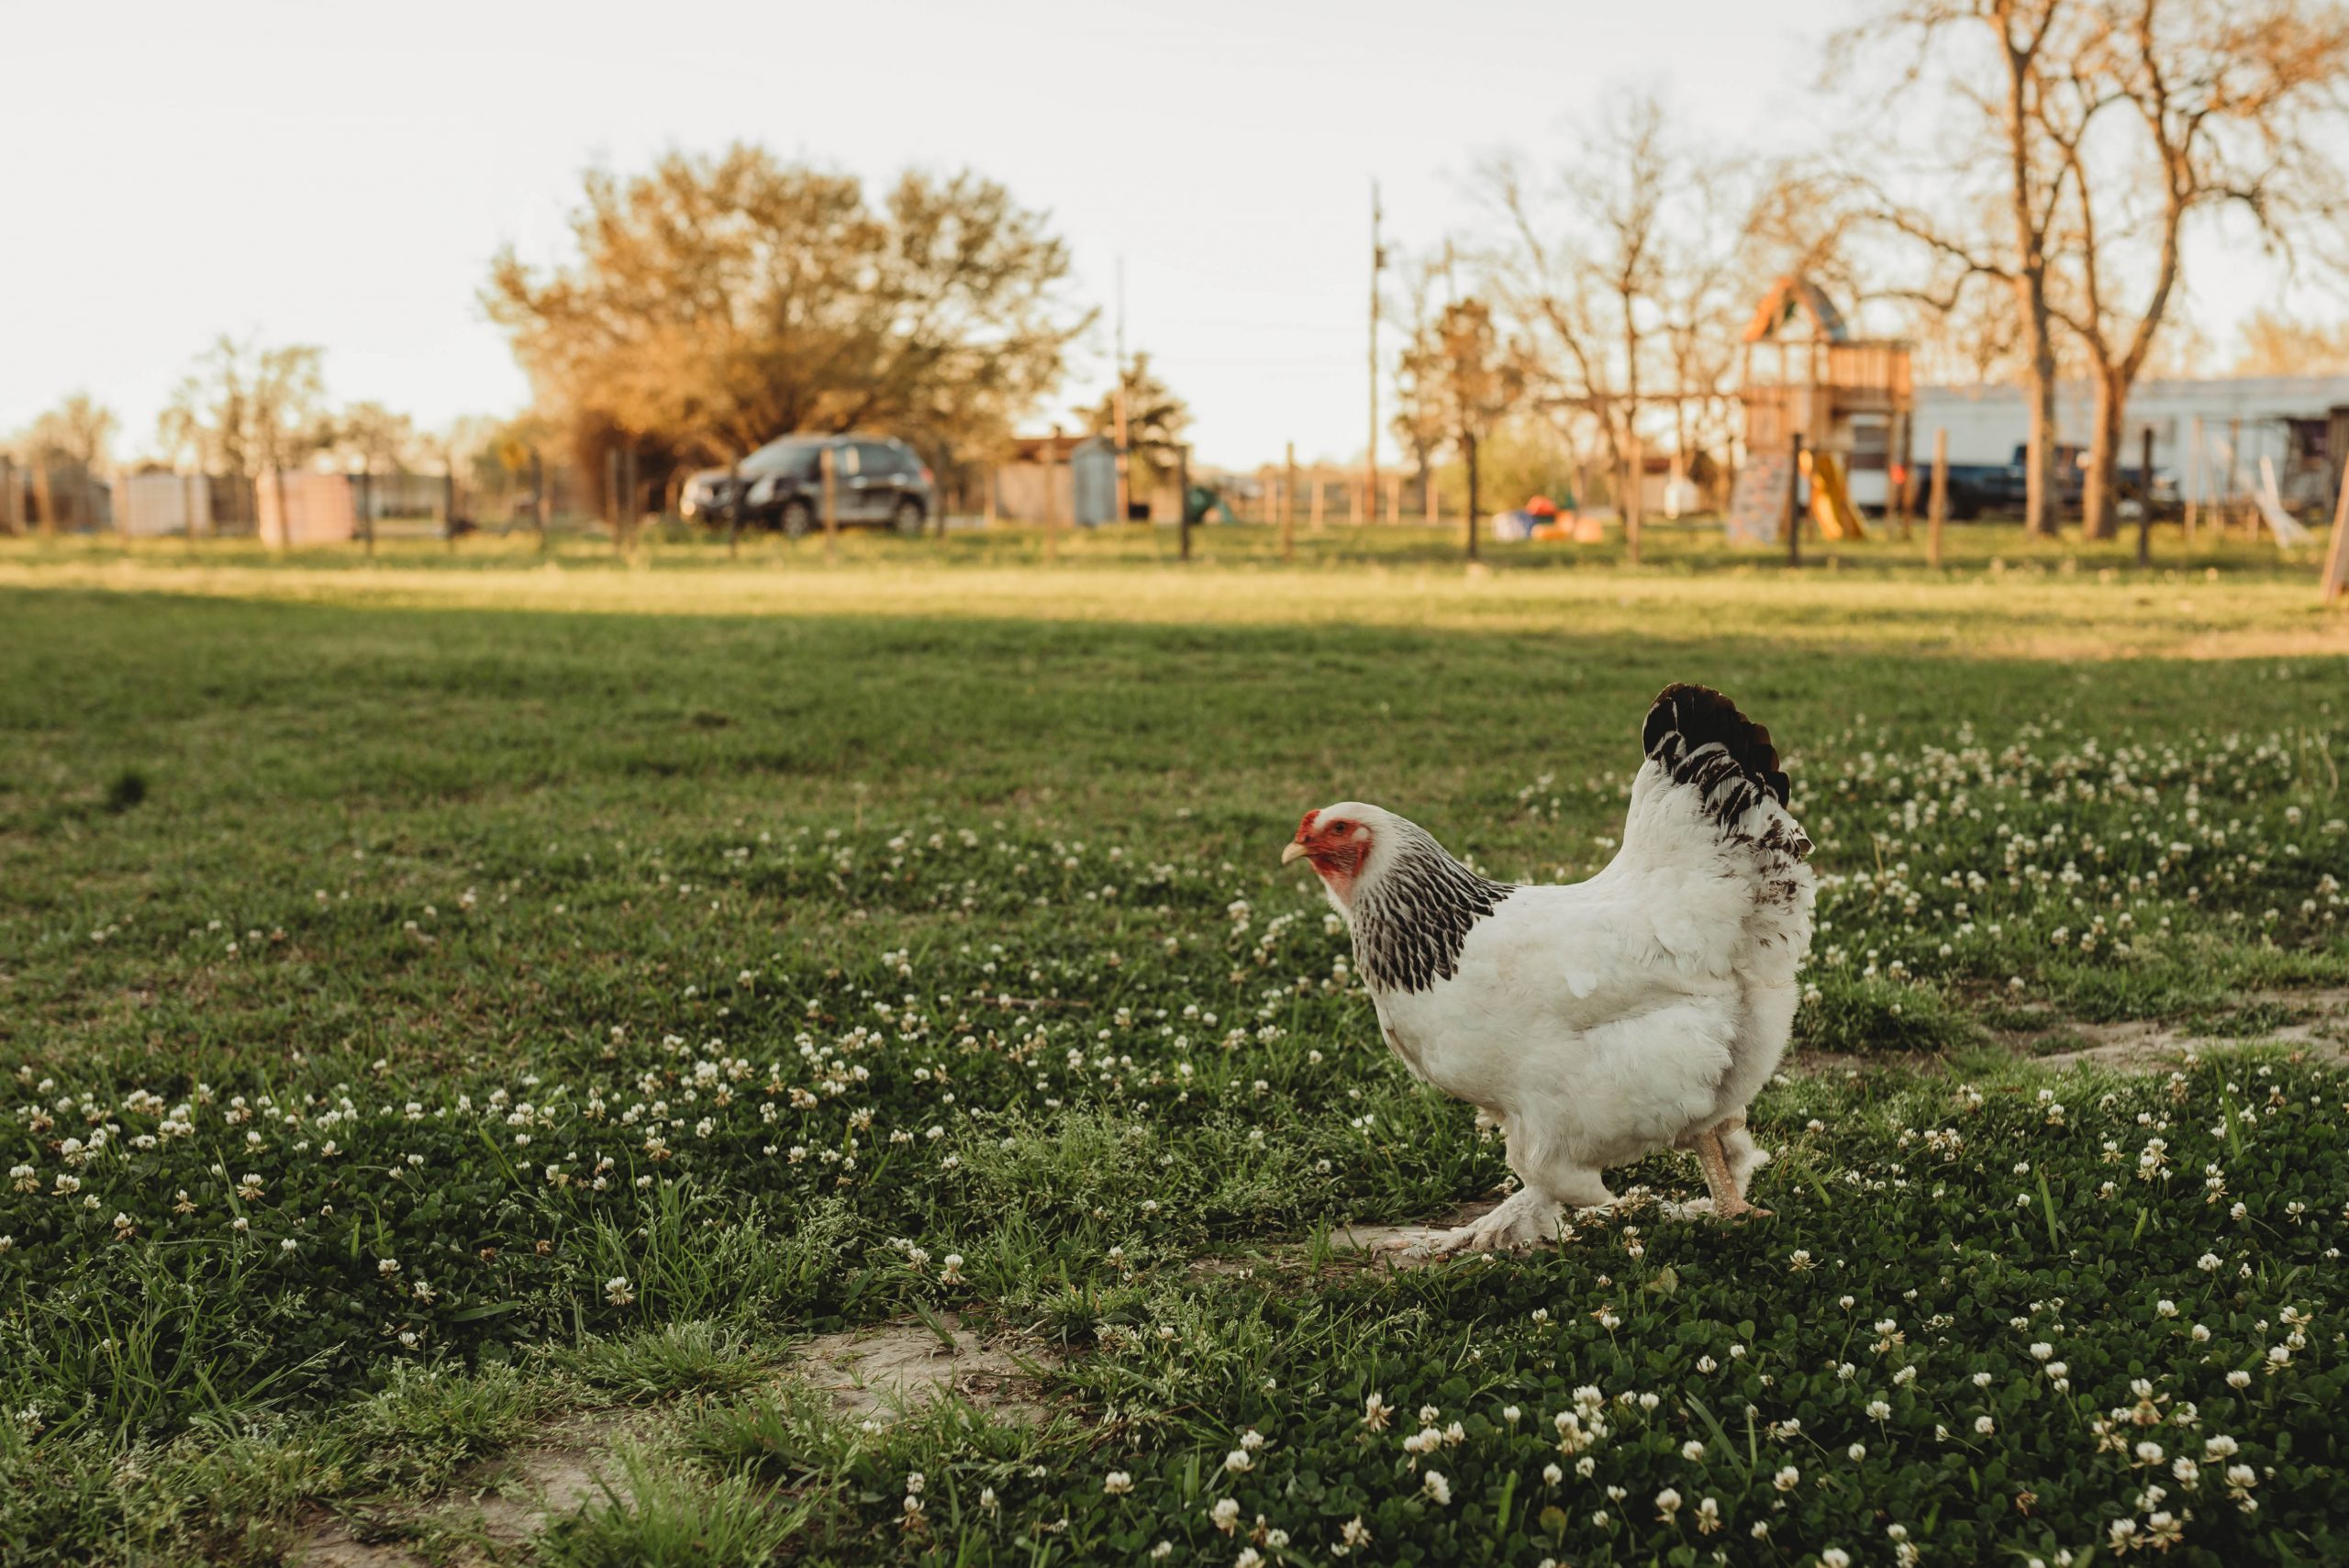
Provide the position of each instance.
(1125, 491)
(1377, 266)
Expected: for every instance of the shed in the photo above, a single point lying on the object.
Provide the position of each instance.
(1093, 470)
(300, 507)
(160, 502)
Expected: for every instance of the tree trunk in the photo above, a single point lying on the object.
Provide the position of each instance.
(2040, 515)
(1469, 451)
(2100, 509)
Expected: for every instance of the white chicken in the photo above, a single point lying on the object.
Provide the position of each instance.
(1595, 1021)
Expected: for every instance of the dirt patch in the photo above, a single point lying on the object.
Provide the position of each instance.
(503, 1502)
(885, 1373)
(2143, 1047)
(1397, 1239)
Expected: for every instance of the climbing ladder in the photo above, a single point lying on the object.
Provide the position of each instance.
(1757, 507)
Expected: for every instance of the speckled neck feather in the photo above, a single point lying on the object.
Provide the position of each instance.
(1413, 917)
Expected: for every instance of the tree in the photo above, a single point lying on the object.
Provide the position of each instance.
(1999, 190)
(1155, 418)
(715, 303)
(1418, 421)
(248, 409)
(1482, 379)
(2197, 104)
(1625, 268)
(2276, 344)
(77, 433)
(385, 442)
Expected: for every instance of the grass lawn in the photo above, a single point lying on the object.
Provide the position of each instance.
(487, 1034)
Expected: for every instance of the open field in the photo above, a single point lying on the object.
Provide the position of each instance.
(499, 1049)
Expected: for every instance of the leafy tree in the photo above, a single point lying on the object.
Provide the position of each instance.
(1418, 422)
(77, 433)
(1155, 420)
(387, 442)
(248, 409)
(1483, 378)
(715, 303)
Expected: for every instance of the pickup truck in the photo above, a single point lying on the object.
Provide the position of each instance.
(1975, 488)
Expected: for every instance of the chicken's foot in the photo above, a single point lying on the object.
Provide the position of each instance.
(1728, 1202)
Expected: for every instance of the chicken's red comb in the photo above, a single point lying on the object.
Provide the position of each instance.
(1307, 825)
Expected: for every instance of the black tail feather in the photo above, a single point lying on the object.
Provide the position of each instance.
(1685, 721)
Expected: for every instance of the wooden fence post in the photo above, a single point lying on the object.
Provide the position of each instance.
(1183, 499)
(1793, 502)
(827, 460)
(2336, 556)
(734, 510)
(1052, 497)
(2145, 501)
(2194, 482)
(1937, 514)
(1286, 509)
(1632, 502)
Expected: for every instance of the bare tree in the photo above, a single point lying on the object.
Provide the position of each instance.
(1624, 269)
(248, 409)
(2214, 104)
(1983, 226)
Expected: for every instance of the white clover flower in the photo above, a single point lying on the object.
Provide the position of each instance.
(1879, 1409)
(1667, 1504)
(1836, 1557)
(1984, 1424)
(1438, 1489)
(1692, 1451)
(617, 1291)
(1239, 1462)
(1551, 1473)
(1857, 1451)
(1116, 1483)
(1787, 1480)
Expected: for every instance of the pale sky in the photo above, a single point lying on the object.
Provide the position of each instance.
(341, 174)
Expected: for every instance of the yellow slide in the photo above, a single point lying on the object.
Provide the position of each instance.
(1831, 501)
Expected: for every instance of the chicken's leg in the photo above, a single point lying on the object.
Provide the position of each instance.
(1728, 1202)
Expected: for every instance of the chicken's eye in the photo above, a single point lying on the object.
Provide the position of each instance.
(1341, 826)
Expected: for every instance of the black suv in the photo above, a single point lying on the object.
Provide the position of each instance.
(876, 481)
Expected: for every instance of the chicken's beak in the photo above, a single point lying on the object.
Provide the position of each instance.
(1295, 851)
